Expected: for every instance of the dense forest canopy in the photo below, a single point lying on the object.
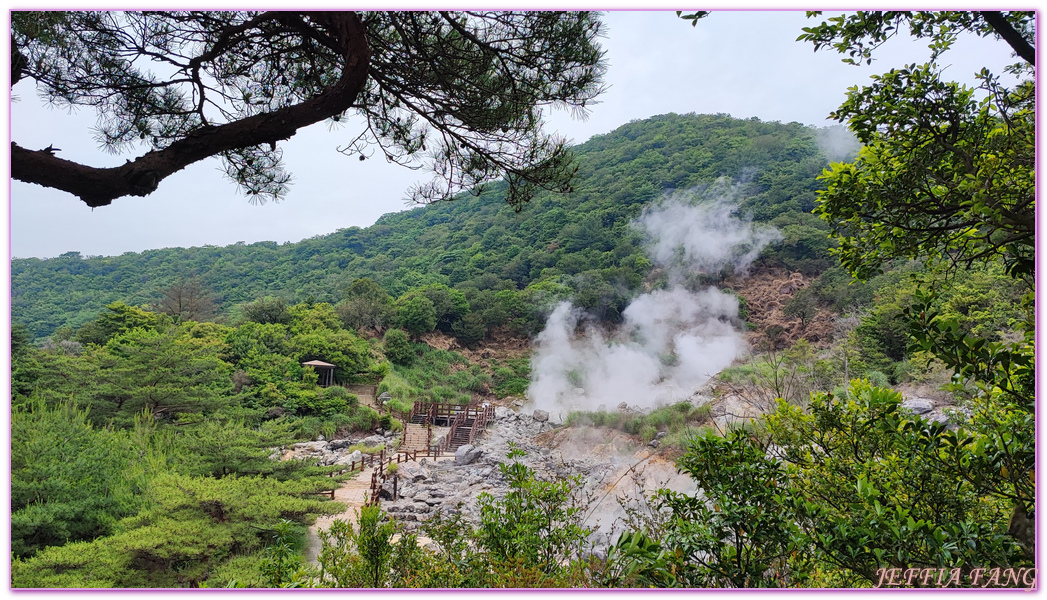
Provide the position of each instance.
(580, 240)
(152, 393)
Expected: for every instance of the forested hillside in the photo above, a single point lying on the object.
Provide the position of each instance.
(579, 244)
(837, 357)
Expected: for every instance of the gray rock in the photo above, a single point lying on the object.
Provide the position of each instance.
(918, 406)
(348, 459)
(466, 455)
(540, 415)
(660, 435)
(386, 491)
(373, 440)
(311, 446)
(339, 444)
(654, 443)
(502, 412)
(412, 471)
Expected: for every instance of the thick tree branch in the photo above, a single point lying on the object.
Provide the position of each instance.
(999, 24)
(99, 187)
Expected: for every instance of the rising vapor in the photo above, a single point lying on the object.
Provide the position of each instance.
(671, 340)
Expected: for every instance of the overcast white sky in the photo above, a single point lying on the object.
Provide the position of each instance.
(744, 63)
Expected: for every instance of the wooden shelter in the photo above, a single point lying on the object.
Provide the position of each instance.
(324, 371)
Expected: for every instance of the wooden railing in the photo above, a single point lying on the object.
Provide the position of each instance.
(458, 415)
(458, 420)
(483, 414)
(381, 474)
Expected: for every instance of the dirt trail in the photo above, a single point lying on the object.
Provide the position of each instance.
(353, 493)
(365, 394)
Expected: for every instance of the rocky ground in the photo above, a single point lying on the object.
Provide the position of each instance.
(612, 468)
(609, 466)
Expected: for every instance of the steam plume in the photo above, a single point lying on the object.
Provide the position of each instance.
(671, 340)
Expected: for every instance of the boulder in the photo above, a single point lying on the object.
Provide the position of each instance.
(386, 491)
(918, 406)
(438, 441)
(373, 440)
(348, 459)
(339, 444)
(466, 454)
(413, 472)
(540, 416)
(502, 412)
(311, 446)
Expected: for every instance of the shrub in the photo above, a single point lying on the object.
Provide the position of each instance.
(647, 433)
(878, 379)
(398, 347)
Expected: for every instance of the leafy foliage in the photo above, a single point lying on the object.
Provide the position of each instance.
(68, 479)
(851, 484)
(398, 347)
(537, 523)
(941, 173)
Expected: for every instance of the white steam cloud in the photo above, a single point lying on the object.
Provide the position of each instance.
(671, 340)
(837, 143)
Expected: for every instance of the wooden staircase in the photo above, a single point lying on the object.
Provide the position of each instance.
(462, 433)
(416, 437)
(464, 423)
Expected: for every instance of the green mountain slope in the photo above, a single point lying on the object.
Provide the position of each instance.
(580, 242)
